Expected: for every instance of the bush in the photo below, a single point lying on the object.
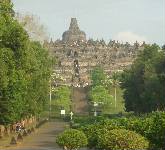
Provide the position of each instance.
(121, 139)
(154, 129)
(91, 132)
(151, 126)
(72, 139)
(83, 121)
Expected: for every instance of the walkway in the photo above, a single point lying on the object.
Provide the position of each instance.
(43, 138)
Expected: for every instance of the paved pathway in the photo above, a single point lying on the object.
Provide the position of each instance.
(43, 138)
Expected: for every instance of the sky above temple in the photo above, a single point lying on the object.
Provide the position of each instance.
(123, 20)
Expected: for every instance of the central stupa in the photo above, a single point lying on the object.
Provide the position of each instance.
(74, 33)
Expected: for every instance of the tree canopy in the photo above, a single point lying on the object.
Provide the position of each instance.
(144, 81)
(100, 95)
(98, 76)
(24, 70)
(99, 92)
(62, 98)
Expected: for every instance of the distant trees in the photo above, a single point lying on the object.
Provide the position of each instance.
(101, 97)
(99, 93)
(163, 47)
(62, 98)
(114, 81)
(98, 76)
(24, 70)
(144, 82)
(32, 25)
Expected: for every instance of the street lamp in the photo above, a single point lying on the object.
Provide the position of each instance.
(50, 99)
(114, 81)
(50, 94)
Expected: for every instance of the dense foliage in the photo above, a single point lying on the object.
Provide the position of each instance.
(98, 76)
(24, 70)
(62, 98)
(150, 126)
(121, 139)
(72, 139)
(144, 82)
(99, 94)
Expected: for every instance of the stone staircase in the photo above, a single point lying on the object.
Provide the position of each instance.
(80, 103)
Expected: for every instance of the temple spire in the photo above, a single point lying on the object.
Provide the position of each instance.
(73, 24)
(74, 33)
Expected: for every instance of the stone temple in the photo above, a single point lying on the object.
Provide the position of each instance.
(76, 56)
(74, 33)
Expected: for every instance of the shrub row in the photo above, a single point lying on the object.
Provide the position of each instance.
(109, 140)
(151, 126)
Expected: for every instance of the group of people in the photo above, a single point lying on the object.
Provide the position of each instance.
(19, 127)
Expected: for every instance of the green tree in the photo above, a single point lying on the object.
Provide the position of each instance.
(98, 76)
(6, 8)
(24, 70)
(62, 98)
(143, 82)
(100, 96)
(6, 73)
(114, 81)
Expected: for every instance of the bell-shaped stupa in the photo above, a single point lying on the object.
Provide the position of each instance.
(74, 33)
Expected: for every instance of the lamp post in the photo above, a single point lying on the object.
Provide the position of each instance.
(115, 95)
(50, 94)
(114, 81)
(50, 99)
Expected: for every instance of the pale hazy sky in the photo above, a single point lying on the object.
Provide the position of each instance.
(124, 20)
